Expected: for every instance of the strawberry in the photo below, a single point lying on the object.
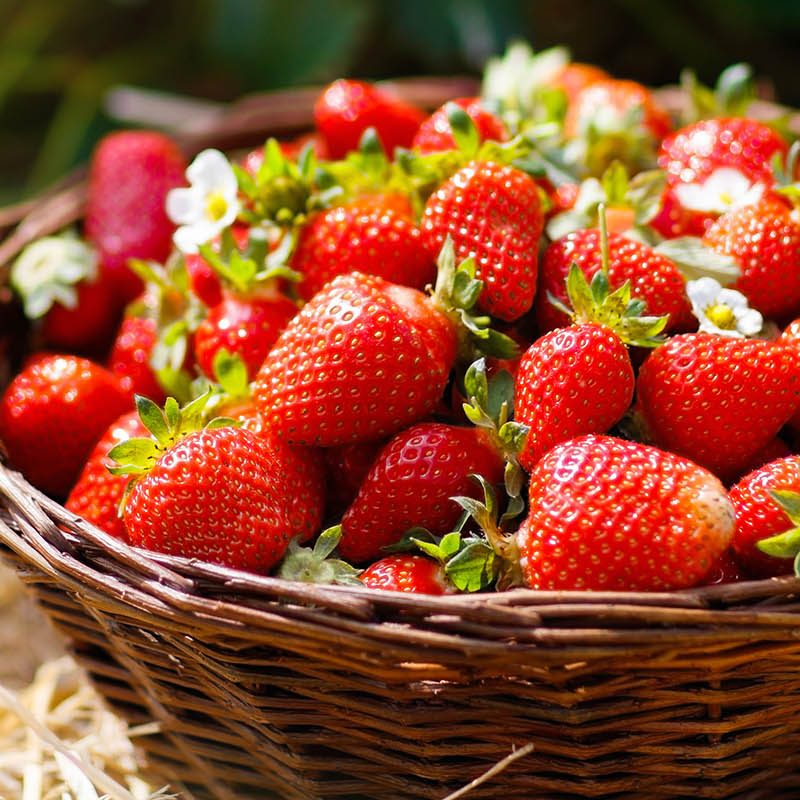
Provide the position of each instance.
(760, 515)
(203, 281)
(661, 527)
(654, 278)
(130, 358)
(346, 108)
(493, 214)
(691, 154)
(726, 570)
(764, 238)
(347, 465)
(97, 494)
(579, 379)
(302, 471)
(435, 134)
(247, 327)
(349, 366)
(129, 177)
(718, 400)
(216, 494)
(411, 483)
(53, 413)
(404, 573)
(365, 235)
(575, 76)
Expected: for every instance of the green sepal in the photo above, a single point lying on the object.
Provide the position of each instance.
(230, 373)
(473, 568)
(315, 565)
(409, 541)
(696, 260)
(784, 545)
(134, 456)
(594, 302)
(154, 419)
(788, 501)
(465, 134)
(615, 184)
(731, 96)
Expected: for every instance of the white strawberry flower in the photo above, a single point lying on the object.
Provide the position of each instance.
(210, 203)
(724, 189)
(723, 311)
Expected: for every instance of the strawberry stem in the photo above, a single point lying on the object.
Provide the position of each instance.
(604, 255)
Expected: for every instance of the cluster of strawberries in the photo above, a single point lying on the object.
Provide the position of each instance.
(544, 337)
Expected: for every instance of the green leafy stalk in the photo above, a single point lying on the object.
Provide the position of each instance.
(318, 564)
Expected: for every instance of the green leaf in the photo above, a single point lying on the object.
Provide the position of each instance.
(790, 503)
(615, 184)
(450, 544)
(230, 372)
(475, 383)
(464, 131)
(153, 419)
(500, 404)
(784, 545)
(735, 89)
(498, 345)
(514, 435)
(409, 541)
(327, 541)
(474, 568)
(172, 413)
(134, 456)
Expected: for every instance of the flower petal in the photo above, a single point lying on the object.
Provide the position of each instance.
(185, 206)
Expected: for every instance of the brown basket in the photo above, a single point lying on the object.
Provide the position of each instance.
(264, 687)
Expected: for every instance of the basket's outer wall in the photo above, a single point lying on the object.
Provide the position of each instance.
(318, 692)
(267, 688)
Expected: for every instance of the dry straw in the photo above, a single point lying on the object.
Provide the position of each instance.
(264, 688)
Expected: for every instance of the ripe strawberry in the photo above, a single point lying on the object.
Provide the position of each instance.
(52, 414)
(302, 471)
(610, 514)
(411, 483)
(130, 175)
(726, 570)
(203, 281)
(493, 214)
(247, 327)
(347, 465)
(718, 400)
(692, 153)
(435, 134)
(764, 238)
(404, 573)
(571, 381)
(216, 494)
(368, 236)
(346, 108)
(654, 278)
(97, 494)
(130, 358)
(89, 325)
(759, 515)
(363, 359)
(576, 76)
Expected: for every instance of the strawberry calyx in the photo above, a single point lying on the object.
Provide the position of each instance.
(456, 294)
(786, 544)
(731, 96)
(630, 203)
(47, 271)
(785, 172)
(490, 407)
(595, 302)
(318, 564)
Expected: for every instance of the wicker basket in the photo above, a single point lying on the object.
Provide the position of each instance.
(266, 688)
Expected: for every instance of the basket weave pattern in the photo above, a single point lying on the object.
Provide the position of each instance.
(263, 686)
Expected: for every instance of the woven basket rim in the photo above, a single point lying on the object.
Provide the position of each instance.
(755, 602)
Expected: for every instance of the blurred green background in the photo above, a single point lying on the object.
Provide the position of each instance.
(59, 58)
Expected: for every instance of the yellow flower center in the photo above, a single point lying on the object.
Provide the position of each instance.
(726, 198)
(722, 316)
(216, 206)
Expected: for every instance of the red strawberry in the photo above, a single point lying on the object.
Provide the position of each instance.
(302, 471)
(718, 400)
(362, 360)
(97, 494)
(435, 134)
(90, 324)
(203, 281)
(347, 466)
(575, 76)
(130, 358)
(765, 239)
(617, 515)
(411, 483)
(571, 381)
(654, 278)
(216, 494)
(404, 573)
(492, 213)
(346, 108)
(53, 413)
(363, 236)
(130, 175)
(673, 219)
(246, 327)
(726, 570)
(692, 153)
(759, 515)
